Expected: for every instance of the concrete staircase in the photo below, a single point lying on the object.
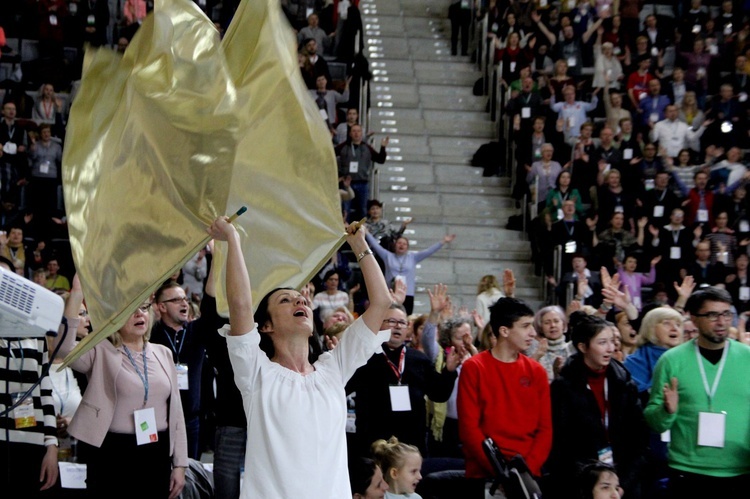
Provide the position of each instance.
(422, 98)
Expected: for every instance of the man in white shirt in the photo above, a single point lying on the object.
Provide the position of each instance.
(674, 135)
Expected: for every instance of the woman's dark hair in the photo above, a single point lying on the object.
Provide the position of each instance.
(589, 475)
(266, 343)
(506, 311)
(557, 180)
(361, 471)
(330, 273)
(584, 327)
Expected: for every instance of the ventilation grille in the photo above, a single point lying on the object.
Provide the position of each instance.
(16, 295)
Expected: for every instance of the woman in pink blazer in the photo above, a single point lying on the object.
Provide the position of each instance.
(130, 418)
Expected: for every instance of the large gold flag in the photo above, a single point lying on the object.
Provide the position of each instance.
(285, 171)
(168, 136)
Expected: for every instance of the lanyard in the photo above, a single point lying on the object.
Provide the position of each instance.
(144, 375)
(571, 228)
(398, 371)
(47, 109)
(172, 345)
(605, 419)
(710, 393)
(676, 236)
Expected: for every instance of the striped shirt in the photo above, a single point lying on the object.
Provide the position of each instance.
(21, 361)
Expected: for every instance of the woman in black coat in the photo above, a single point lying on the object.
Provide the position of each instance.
(596, 413)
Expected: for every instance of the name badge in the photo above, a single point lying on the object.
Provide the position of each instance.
(653, 117)
(570, 247)
(525, 112)
(648, 184)
(72, 475)
(182, 377)
(654, 51)
(465, 4)
(53, 20)
(400, 401)
(637, 302)
(627, 153)
(537, 153)
(542, 3)
(91, 20)
(571, 4)
(571, 122)
(666, 436)
(353, 166)
(145, 426)
(572, 61)
(495, 27)
(728, 29)
(744, 293)
(309, 12)
(658, 211)
(617, 51)
(711, 429)
(560, 214)
(351, 422)
(703, 215)
(44, 167)
(323, 114)
(743, 96)
(23, 414)
(512, 66)
(744, 226)
(696, 29)
(606, 456)
(675, 253)
(10, 148)
(619, 209)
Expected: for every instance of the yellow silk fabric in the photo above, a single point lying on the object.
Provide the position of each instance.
(181, 129)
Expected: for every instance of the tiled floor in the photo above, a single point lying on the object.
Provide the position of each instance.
(422, 99)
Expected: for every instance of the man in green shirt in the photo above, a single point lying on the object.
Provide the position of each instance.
(701, 395)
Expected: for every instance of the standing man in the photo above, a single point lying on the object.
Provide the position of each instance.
(505, 395)
(13, 162)
(183, 338)
(700, 395)
(355, 158)
(391, 387)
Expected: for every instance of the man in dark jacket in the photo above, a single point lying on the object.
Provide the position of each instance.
(391, 387)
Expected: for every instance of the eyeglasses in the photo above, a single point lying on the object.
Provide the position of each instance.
(83, 313)
(144, 308)
(395, 322)
(714, 316)
(176, 300)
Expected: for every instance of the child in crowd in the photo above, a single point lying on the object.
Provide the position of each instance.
(599, 480)
(401, 465)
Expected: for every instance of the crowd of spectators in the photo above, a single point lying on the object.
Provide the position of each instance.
(637, 115)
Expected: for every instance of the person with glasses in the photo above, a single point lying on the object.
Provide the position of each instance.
(186, 342)
(390, 389)
(130, 421)
(700, 395)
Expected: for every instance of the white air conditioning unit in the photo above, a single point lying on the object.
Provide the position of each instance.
(26, 309)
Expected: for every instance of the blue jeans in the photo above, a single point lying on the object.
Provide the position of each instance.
(356, 209)
(229, 459)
